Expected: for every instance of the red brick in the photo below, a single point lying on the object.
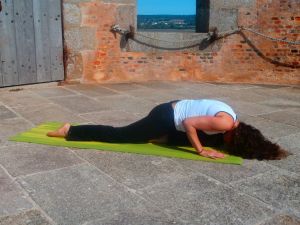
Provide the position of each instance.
(235, 61)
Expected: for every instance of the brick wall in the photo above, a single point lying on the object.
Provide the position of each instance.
(93, 53)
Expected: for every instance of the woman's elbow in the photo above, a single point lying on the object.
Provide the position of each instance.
(187, 125)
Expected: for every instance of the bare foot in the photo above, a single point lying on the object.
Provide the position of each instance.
(60, 132)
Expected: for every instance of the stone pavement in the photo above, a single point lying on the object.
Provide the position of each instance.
(54, 185)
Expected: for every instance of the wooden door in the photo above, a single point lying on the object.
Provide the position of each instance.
(31, 49)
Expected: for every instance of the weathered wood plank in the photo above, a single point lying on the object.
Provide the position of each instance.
(42, 40)
(31, 47)
(56, 50)
(8, 63)
(25, 42)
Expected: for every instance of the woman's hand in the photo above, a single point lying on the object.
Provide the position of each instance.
(211, 154)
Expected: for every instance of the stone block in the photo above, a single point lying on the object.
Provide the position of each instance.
(277, 188)
(126, 16)
(79, 104)
(251, 109)
(12, 199)
(72, 14)
(123, 87)
(54, 92)
(74, 65)
(5, 113)
(35, 158)
(10, 128)
(91, 90)
(127, 104)
(201, 200)
(22, 98)
(291, 163)
(134, 170)
(80, 38)
(80, 194)
(223, 172)
(135, 217)
(50, 112)
(112, 117)
(152, 95)
(282, 219)
(282, 103)
(285, 116)
(271, 129)
(290, 142)
(32, 217)
(287, 93)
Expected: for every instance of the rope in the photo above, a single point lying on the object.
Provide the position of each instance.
(271, 38)
(210, 37)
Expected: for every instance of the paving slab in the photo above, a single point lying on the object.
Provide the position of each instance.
(152, 95)
(282, 219)
(201, 200)
(246, 95)
(49, 112)
(278, 188)
(82, 193)
(249, 108)
(31, 217)
(223, 172)
(79, 104)
(12, 199)
(11, 127)
(283, 104)
(272, 129)
(51, 92)
(199, 90)
(21, 98)
(32, 158)
(287, 93)
(5, 113)
(161, 85)
(291, 117)
(291, 142)
(134, 217)
(112, 117)
(291, 163)
(70, 186)
(91, 90)
(235, 86)
(126, 103)
(133, 170)
(123, 87)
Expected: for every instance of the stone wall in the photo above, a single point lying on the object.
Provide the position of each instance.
(94, 54)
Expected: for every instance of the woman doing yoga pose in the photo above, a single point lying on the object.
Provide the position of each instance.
(201, 122)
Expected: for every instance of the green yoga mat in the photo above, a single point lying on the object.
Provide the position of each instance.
(38, 135)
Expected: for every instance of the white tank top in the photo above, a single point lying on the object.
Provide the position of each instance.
(202, 107)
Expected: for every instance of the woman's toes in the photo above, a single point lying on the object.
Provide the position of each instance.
(61, 132)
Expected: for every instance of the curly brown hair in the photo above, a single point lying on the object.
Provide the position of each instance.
(249, 143)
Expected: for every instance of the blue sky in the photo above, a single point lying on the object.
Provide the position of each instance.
(170, 7)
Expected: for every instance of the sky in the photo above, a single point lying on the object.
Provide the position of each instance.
(169, 7)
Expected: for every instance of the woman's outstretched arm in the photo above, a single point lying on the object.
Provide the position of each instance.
(221, 122)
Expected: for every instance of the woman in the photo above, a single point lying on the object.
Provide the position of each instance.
(199, 122)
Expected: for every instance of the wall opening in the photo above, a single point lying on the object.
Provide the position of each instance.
(166, 15)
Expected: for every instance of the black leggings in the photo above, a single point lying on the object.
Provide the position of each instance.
(159, 122)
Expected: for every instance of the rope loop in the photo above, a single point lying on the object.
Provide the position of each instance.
(211, 36)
